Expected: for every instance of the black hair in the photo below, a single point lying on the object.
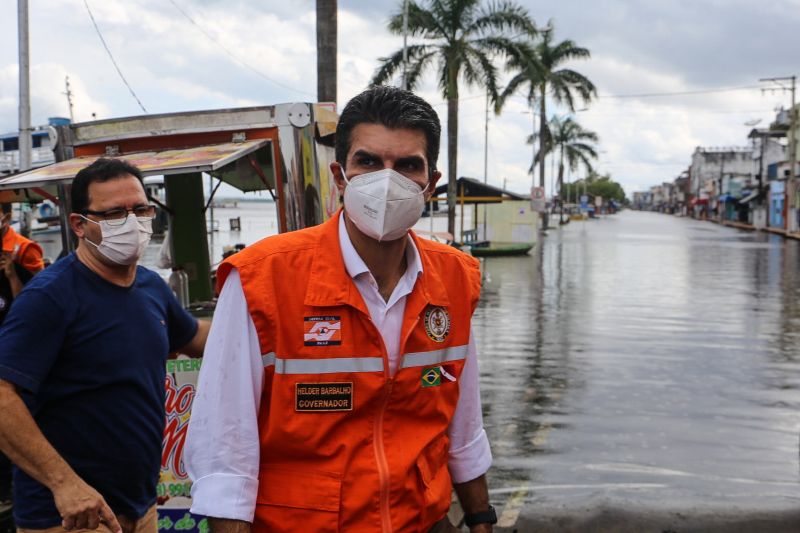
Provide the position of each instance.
(393, 108)
(102, 170)
(5, 208)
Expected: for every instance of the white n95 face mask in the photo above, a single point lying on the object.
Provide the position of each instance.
(383, 204)
(124, 244)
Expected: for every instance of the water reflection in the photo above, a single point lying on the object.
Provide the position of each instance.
(646, 358)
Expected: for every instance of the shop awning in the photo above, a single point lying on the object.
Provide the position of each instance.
(750, 197)
(175, 161)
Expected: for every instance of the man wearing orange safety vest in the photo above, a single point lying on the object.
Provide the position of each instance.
(339, 387)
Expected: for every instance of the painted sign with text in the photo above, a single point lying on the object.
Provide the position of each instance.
(174, 486)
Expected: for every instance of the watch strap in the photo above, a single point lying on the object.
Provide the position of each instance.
(484, 517)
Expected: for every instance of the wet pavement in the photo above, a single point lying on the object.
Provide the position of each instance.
(641, 372)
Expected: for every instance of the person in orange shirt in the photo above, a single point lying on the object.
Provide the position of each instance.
(20, 259)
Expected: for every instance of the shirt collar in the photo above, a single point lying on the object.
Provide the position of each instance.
(355, 266)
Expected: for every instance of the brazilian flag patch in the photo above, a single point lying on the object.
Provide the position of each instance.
(431, 377)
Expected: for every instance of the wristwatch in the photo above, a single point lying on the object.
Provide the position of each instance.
(484, 517)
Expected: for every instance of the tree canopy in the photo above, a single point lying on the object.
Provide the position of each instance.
(595, 185)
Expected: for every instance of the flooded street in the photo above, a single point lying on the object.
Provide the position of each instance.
(643, 361)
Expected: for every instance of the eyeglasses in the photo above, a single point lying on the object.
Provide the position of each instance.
(117, 217)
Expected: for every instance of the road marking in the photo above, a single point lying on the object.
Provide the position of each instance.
(512, 508)
(536, 488)
(541, 433)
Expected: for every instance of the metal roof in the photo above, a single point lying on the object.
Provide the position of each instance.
(175, 161)
(474, 188)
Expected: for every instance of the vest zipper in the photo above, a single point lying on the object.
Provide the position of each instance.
(383, 464)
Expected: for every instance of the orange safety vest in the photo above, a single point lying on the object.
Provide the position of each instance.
(25, 252)
(345, 446)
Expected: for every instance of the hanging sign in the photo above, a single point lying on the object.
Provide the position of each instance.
(538, 203)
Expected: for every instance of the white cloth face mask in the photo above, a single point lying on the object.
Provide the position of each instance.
(124, 244)
(383, 204)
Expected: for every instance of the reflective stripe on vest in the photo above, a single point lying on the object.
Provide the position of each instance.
(323, 366)
(334, 365)
(434, 357)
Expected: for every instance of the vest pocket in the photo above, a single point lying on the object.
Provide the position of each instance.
(435, 478)
(289, 496)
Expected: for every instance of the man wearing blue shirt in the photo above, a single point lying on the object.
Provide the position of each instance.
(82, 368)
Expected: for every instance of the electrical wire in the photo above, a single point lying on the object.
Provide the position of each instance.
(110, 55)
(234, 56)
(682, 93)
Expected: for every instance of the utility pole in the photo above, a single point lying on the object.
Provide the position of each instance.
(721, 177)
(405, 45)
(68, 92)
(25, 142)
(485, 165)
(326, 50)
(791, 182)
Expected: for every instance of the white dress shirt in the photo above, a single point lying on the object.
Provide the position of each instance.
(222, 452)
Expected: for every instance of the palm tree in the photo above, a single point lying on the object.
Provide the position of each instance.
(574, 145)
(541, 73)
(460, 38)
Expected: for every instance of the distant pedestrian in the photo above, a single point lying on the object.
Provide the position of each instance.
(82, 368)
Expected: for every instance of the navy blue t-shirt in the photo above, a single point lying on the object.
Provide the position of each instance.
(90, 357)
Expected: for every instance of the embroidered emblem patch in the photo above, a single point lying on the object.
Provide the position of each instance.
(433, 376)
(437, 323)
(322, 331)
(317, 397)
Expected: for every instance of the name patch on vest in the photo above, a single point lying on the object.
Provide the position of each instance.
(322, 331)
(315, 397)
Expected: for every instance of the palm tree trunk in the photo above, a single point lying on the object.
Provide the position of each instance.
(542, 126)
(326, 50)
(561, 184)
(452, 152)
(542, 141)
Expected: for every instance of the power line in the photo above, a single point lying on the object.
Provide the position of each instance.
(234, 56)
(681, 93)
(99, 34)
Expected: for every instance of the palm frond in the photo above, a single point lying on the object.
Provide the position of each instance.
(479, 70)
(416, 69)
(421, 23)
(394, 63)
(500, 17)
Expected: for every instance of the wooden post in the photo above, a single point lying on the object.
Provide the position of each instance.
(461, 194)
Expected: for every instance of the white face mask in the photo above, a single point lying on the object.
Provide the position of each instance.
(383, 204)
(124, 244)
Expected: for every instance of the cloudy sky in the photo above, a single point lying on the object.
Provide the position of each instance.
(259, 52)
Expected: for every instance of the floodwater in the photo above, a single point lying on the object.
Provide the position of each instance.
(647, 360)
